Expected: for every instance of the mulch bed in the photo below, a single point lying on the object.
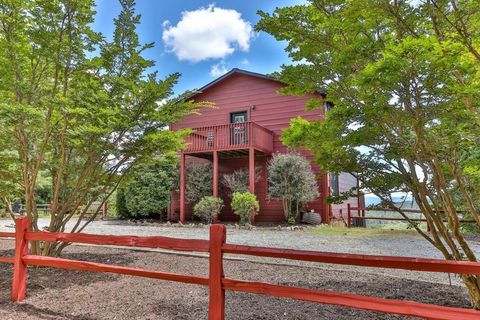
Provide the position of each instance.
(65, 294)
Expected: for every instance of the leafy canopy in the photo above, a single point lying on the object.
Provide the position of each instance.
(81, 108)
(405, 80)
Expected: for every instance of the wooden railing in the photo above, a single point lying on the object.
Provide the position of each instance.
(242, 135)
(218, 283)
(361, 215)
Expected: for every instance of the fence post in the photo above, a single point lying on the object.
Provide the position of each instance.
(216, 306)
(349, 215)
(19, 283)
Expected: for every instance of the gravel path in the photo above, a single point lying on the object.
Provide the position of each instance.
(396, 244)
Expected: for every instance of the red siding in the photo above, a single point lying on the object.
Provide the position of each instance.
(260, 98)
(346, 182)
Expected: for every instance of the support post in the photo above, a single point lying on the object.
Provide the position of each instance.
(251, 169)
(216, 306)
(349, 215)
(182, 187)
(251, 176)
(19, 283)
(215, 173)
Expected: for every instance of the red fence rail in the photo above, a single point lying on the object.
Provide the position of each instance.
(361, 215)
(241, 135)
(218, 283)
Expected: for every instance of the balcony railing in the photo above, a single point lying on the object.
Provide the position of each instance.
(233, 136)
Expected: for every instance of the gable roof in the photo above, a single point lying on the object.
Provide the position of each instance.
(236, 71)
(244, 72)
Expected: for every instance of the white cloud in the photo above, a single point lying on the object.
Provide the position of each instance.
(218, 69)
(245, 62)
(207, 33)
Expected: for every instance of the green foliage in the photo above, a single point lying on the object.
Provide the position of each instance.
(469, 227)
(83, 108)
(198, 181)
(405, 80)
(292, 220)
(147, 193)
(121, 205)
(245, 205)
(239, 180)
(291, 179)
(208, 208)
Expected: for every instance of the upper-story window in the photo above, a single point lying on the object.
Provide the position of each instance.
(236, 117)
(238, 132)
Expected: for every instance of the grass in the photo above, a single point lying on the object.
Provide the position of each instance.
(363, 232)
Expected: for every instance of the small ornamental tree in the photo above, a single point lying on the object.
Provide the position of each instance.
(291, 180)
(208, 208)
(245, 205)
(198, 181)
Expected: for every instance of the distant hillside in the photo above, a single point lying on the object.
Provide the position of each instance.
(407, 204)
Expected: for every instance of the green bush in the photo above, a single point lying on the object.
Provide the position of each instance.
(239, 180)
(198, 181)
(122, 211)
(469, 227)
(291, 179)
(245, 205)
(208, 208)
(146, 194)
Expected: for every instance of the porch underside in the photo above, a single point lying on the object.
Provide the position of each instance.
(226, 154)
(215, 157)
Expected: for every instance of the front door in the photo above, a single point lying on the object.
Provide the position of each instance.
(238, 131)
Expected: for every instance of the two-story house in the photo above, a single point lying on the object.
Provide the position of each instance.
(243, 132)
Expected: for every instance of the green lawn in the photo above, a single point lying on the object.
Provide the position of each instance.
(363, 232)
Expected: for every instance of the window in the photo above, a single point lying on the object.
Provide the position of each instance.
(334, 184)
(239, 132)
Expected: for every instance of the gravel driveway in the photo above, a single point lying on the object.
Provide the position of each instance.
(396, 244)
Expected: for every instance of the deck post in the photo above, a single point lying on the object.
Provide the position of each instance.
(349, 215)
(251, 169)
(216, 305)
(19, 282)
(251, 176)
(182, 187)
(215, 173)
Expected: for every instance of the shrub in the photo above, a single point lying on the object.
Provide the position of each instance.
(198, 181)
(245, 205)
(122, 211)
(208, 208)
(147, 192)
(239, 180)
(291, 180)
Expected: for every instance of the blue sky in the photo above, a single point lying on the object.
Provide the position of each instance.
(202, 39)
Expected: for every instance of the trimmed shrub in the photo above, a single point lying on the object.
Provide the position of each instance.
(291, 179)
(208, 208)
(245, 205)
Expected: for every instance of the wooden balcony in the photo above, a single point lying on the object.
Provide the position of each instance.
(230, 138)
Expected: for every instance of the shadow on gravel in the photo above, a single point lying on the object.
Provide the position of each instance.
(42, 313)
(40, 278)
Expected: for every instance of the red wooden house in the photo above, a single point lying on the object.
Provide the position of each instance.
(243, 132)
